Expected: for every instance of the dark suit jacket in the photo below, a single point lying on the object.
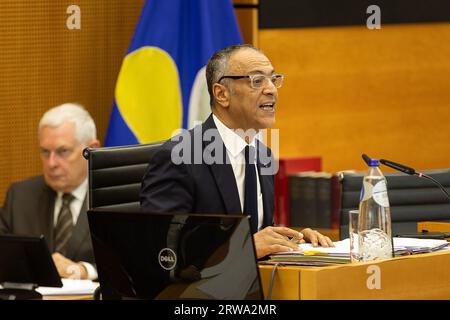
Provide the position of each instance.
(28, 210)
(200, 188)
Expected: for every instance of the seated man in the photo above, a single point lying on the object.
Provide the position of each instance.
(220, 166)
(55, 204)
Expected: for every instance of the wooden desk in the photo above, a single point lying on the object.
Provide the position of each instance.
(431, 226)
(422, 276)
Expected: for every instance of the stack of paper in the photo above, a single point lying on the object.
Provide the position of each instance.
(70, 287)
(315, 256)
(405, 246)
(340, 253)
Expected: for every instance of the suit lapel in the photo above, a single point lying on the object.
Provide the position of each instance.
(46, 214)
(226, 183)
(223, 174)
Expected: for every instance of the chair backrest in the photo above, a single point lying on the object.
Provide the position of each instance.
(115, 175)
(411, 199)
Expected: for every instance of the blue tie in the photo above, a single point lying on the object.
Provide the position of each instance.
(250, 195)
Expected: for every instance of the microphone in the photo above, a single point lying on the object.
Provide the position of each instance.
(366, 159)
(411, 171)
(398, 167)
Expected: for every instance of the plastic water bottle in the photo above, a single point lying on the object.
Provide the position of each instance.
(374, 221)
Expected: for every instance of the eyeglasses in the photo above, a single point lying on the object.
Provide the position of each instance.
(257, 81)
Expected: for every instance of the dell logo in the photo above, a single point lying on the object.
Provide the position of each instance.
(167, 259)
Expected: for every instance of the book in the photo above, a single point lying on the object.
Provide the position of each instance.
(336, 199)
(314, 200)
(289, 165)
(323, 200)
(303, 199)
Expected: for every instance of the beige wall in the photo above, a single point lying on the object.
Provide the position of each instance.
(350, 90)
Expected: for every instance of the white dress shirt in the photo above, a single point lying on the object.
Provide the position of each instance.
(75, 208)
(235, 146)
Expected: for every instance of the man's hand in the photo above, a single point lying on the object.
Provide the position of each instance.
(317, 238)
(276, 239)
(68, 268)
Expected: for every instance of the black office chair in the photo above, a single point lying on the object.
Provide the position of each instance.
(115, 175)
(411, 199)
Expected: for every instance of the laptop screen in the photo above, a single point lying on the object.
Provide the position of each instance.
(26, 259)
(174, 256)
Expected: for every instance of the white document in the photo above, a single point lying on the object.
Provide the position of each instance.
(418, 243)
(70, 287)
(343, 246)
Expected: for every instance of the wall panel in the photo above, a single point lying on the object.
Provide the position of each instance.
(43, 64)
(350, 90)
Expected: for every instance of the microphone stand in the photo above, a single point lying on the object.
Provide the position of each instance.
(423, 175)
(408, 170)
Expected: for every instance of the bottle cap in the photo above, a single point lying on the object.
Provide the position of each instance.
(374, 163)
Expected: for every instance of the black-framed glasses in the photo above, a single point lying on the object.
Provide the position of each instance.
(257, 81)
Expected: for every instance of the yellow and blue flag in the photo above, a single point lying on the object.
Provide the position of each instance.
(161, 85)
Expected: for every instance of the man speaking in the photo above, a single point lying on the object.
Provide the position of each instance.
(232, 172)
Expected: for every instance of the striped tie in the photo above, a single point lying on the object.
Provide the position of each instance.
(64, 225)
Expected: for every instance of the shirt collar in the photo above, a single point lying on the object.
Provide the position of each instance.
(80, 192)
(232, 141)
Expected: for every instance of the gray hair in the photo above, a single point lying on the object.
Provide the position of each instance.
(85, 130)
(218, 65)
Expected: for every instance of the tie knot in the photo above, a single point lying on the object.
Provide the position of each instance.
(67, 198)
(250, 154)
